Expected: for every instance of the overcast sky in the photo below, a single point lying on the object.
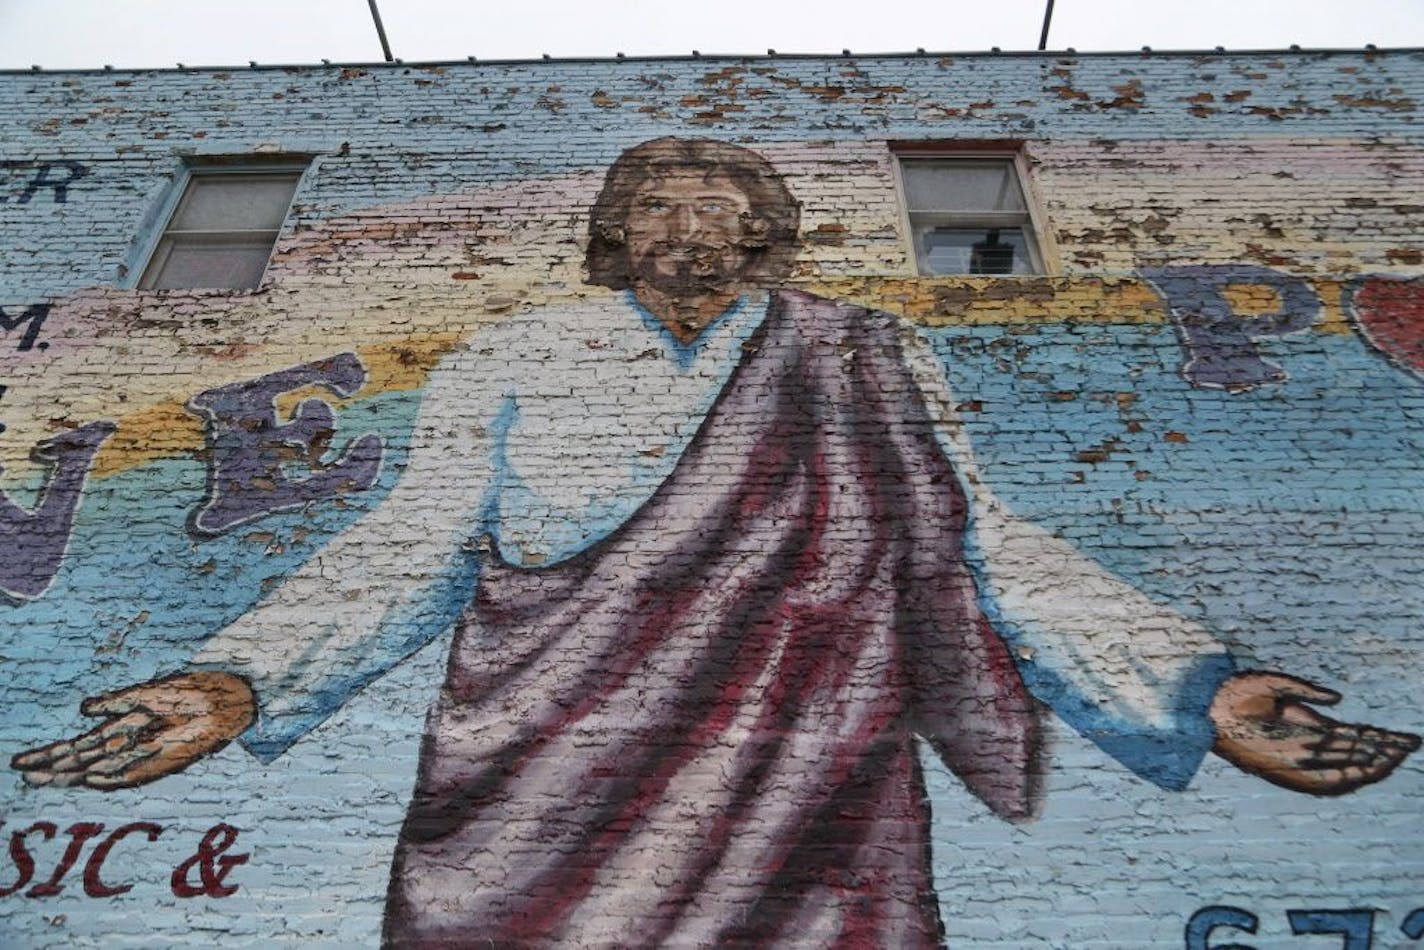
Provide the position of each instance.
(91, 33)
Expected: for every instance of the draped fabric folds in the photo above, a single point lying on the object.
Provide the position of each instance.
(702, 729)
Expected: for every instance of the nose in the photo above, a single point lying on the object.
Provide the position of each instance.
(685, 223)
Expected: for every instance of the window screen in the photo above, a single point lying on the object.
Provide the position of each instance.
(223, 228)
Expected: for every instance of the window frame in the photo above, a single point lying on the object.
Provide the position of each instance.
(1043, 252)
(210, 167)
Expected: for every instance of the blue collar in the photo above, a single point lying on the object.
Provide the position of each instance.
(684, 354)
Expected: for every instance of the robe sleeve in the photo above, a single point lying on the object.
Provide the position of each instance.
(1133, 676)
(388, 584)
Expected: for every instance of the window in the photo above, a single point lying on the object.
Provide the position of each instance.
(969, 215)
(221, 231)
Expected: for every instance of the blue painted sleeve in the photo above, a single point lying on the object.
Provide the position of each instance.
(1167, 753)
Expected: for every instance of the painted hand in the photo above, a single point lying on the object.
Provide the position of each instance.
(1263, 726)
(152, 729)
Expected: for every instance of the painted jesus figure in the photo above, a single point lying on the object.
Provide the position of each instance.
(718, 560)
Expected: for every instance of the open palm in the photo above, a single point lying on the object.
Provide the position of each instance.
(150, 730)
(1264, 726)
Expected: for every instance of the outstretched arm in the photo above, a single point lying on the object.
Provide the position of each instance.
(377, 592)
(384, 587)
(1151, 688)
(1130, 674)
(1264, 726)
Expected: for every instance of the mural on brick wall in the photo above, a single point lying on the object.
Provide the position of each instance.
(724, 573)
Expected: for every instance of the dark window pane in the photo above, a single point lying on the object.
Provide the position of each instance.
(221, 262)
(235, 202)
(974, 251)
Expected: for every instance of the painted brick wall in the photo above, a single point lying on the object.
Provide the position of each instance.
(1210, 411)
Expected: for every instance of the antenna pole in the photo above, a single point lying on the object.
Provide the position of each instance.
(386, 46)
(1042, 37)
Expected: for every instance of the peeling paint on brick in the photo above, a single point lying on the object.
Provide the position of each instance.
(1198, 433)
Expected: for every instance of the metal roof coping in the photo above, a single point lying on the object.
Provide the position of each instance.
(735, 57)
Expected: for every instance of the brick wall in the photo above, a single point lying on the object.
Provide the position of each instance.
(1214, 397)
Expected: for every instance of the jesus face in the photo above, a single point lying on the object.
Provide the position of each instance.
(686, 234)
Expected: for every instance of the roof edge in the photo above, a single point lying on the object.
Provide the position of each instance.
(769, 56)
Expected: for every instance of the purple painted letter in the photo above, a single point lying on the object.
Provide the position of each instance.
(32, 543)
(250, 447)
(1220, 343)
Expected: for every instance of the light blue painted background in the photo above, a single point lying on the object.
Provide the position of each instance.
(1289, 523)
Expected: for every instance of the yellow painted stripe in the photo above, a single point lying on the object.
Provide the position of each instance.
(1016, 301)
(167, 430)
(1002, 301)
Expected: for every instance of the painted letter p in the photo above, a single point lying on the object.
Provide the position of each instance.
(1220, 343)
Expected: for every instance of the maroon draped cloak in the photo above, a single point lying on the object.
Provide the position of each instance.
(701, 730)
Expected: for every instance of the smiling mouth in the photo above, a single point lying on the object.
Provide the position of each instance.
(684, 252)
(681, 267)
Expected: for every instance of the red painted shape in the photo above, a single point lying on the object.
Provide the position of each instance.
(94, 885)
(1390, 314)
(79, 835)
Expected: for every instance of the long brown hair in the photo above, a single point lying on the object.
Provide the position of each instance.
(771, 223)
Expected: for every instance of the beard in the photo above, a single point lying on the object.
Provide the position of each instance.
(690, 269)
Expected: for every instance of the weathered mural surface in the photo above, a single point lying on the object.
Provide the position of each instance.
(633, 555)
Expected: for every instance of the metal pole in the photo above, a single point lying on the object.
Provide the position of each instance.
(386, 47)
(1042, 37)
